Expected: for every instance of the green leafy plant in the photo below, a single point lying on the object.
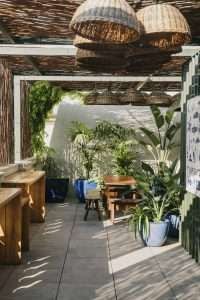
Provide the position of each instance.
(152, 209)
(42, 98)
(161, 142)
(47, 162)
(124, 156)
(86, 145)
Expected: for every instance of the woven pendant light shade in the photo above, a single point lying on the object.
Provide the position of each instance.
(100, 61)
(85, 44)
(159, 98)
(163, 26)
(105, 98)
(133, 97)
(106, 20)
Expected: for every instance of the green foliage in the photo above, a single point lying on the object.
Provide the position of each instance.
(47, 162)
(124, 157)
(42, 98)
(86, 145)
(105, 140)
(162, 141)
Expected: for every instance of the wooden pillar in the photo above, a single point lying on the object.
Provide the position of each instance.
(6, 114)
(25, 124)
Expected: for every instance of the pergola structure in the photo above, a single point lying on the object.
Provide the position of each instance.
(37, 44)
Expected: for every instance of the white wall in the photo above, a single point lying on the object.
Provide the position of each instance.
(68, 111)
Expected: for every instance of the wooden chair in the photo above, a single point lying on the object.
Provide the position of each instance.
(124, 203)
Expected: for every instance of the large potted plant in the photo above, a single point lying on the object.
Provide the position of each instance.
(56, 183)
(148, 218)
(86, 145)
(160, 182)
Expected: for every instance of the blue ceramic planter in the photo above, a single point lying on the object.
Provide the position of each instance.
(81, 187)
(56, 189)
(157, 234)
(174, 222)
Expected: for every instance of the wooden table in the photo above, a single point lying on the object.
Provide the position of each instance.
(10, 226)
(32, 184)
(114, 187)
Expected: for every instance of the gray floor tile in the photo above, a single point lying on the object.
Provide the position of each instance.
(87, 271)
(76, 292)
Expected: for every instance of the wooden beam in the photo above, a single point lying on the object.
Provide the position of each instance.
(102, 78)
(37, 50)
(29, 59)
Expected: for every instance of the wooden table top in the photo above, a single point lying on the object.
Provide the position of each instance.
(24, 177)
(8, 194)
(120, 183)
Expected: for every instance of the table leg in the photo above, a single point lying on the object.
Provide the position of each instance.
(37, 195)
(25, 227)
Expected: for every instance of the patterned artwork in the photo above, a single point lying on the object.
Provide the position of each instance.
(193, 146)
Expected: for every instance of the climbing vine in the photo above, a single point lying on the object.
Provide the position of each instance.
(42, 98)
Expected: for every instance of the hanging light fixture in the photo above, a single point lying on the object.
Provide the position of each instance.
(110, 20)
(163, 26)
(98, 61)
(85, 44)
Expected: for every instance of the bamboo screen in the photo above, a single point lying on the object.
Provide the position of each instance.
(25, 125)
(6, 115)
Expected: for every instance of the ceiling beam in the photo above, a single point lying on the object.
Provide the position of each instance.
(102, 78)
(29, 59)
(37, 50)
(188, 51)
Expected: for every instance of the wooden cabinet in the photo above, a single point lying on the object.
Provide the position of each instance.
(32, 184)
(10, 226)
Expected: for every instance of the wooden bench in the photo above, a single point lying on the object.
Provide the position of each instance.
(10, 226)
(32, 184)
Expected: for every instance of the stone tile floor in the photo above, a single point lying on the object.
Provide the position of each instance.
(75, 260)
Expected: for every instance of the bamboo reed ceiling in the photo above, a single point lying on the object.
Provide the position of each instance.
(47, 21)
(50, 18)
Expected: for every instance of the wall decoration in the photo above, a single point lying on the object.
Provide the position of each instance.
(193, 146)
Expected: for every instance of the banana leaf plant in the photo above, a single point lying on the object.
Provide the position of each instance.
(162, 141)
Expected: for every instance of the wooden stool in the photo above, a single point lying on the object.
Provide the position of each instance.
(92, 203)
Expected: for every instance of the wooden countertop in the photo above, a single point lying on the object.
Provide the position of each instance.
(7, 194)
(23, 177)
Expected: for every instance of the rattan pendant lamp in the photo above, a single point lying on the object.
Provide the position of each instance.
(163, 26)
(106, 20)
(85, 44)
(100, 61)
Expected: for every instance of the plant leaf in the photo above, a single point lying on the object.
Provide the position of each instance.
(151, 136)
(147, 168)
(158, 117)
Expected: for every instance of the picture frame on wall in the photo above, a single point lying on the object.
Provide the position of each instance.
(193, 146)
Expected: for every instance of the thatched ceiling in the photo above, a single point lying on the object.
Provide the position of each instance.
(50, 18)
(47, 21)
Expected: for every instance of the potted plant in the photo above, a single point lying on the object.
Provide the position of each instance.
(148, 218)
(56, 183)
(86, 146)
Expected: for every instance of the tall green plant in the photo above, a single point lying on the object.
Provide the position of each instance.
(86, 145)
(161, 142)
(42, 98)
